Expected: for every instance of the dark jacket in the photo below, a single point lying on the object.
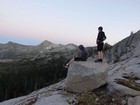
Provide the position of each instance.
(84, 53)
(101, 37)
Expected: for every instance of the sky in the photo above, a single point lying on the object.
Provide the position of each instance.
(30, 22)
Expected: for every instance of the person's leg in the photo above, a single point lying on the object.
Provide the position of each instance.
(79, 59)
(98, 49)
(74, 59)
(67, 65)
(70, 62)
(101, 55)
(100, 52)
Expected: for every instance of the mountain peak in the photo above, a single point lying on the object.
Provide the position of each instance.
(46, 43)
(10, 42)
(14, 44)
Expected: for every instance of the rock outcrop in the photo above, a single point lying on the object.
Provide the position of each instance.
(86, 76)
(134, 101)
(124, 58)
(128, 47)
(51, 95)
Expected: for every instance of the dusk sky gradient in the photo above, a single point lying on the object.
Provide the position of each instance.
(31, 22)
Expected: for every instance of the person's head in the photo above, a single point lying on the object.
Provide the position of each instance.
(100, 28)
(81, 47)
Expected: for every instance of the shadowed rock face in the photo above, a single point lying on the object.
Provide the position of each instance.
(86, 76)
(124, 49)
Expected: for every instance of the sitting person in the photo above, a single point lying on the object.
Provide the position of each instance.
(82, 57)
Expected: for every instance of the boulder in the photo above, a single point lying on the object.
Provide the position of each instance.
(52, 100)
(86, 76)
(134, 101)
(117, 70)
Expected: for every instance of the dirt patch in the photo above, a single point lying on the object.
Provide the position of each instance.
(100, 97)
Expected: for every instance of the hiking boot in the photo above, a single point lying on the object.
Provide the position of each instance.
(98, 60)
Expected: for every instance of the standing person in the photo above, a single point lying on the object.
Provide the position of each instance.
(100, 44)
(82, 57)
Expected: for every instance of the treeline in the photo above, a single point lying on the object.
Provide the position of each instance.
(22, 77)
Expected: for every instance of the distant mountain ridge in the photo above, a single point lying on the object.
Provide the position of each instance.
(13, 50)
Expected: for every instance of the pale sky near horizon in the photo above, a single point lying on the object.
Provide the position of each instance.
(67, 21)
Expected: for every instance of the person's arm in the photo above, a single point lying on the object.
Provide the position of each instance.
(104, 37)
